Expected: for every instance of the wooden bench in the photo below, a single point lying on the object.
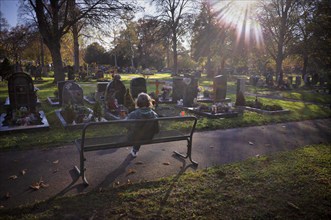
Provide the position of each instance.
(118, 133)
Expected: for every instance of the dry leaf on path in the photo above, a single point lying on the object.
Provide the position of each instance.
(131, 171)
(13, 177)
(38, 185)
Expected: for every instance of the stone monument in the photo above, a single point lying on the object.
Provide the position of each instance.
(72, 94)
(220, 87)
(137, 85)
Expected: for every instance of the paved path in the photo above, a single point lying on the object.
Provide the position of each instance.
(105, 168)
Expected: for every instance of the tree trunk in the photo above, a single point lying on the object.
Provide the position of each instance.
(55, 50)
(76, 49)
(42, 53)
(174, 47)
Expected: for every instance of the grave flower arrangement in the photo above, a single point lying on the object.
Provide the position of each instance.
(76, 114)
(22, 117)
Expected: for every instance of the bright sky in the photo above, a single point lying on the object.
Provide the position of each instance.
(9, 11)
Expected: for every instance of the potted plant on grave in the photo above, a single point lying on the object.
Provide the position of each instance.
(83, 114)
(68, 113)
(97, 111)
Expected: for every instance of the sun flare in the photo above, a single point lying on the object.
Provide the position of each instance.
(240, 15)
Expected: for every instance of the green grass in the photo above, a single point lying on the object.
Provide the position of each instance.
(57, 136)
(287, 185)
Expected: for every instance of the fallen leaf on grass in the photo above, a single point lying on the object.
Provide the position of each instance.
(293, 205)
(131, 171)
(13, 177)
(166, 163)
(56, 161)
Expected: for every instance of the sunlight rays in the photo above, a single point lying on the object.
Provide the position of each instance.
(241, 16)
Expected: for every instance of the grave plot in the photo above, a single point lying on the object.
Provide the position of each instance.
(22, 107)
(256, 105)
(73, 113)
(57, 99)
(221, 107)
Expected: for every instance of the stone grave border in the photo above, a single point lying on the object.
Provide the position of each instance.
(266, 112)
(65, 124)
(45, 124)
(208, 114)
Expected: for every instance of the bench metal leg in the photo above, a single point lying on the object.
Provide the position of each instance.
(188, 154)
(82, 169)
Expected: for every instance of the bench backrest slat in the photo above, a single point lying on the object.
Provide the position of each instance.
(115, 133)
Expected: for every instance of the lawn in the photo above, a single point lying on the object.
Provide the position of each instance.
(56, 135)
(287, 185)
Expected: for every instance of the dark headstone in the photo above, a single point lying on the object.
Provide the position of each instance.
(115, 89)
(137, 85)
(190, 91)
(101, 88)
(290, 80)
(220, 86)
(22, 92)
(297, 81)
(177, 88)
(60, 85)
(72, 94)
(240, 86)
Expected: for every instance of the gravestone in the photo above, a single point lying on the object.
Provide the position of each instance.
(21, 92)
(60, 85)
(137, 85)
(297, 81)
(177, 88)
(72, 94)
(290, 80)
(115, 90)
(190, 91)
(240, 86)
(220, 87)
(101, 88)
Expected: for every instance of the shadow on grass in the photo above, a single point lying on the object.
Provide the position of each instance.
(175, 179)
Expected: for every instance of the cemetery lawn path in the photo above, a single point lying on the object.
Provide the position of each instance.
(157, 184)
